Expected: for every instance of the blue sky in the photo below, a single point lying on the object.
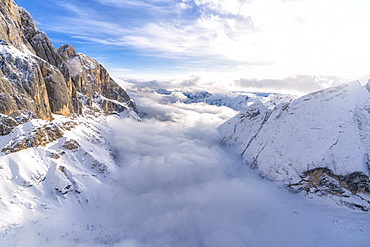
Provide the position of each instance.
(219, 41)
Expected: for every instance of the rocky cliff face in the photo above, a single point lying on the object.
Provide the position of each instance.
(11, 27)
(53, 130)
(92, 83)
(36, 80)
(318, 143)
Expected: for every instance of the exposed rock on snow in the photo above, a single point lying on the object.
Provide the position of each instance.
(56, 157)
(36, 136)
(71, 145)
(323, 181)
(318, 143)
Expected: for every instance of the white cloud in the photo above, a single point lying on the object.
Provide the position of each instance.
(81, 11)
(170, 108)
(300, 84)
(150, 6)
(235, 7)
(216, 82)
(241, 39)
(180, 188)
(74, 65)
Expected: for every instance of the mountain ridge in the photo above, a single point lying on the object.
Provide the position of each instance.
(317, 143)
(37, 80)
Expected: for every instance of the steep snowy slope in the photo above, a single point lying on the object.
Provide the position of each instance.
(43, 162)
(318, 143)
(53, 104)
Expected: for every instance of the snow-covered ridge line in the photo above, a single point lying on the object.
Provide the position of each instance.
(326, 129)
(237, 100)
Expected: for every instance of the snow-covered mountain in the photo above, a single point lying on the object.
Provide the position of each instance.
(234, 101)
(318, 143)
(42, 161)
(53, 106)
(78, 167)
(37, 80)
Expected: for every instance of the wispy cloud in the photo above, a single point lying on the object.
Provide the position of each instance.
(80, 11)
(152, 7)
(225, 7)
(300, 84)
(269, 39)
(207, 39)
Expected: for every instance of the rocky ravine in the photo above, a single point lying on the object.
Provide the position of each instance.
(318, 143)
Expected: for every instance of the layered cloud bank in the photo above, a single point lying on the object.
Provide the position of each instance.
(297, 85)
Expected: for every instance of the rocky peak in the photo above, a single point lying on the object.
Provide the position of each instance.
(66, 51)
(37, 80)
(92, 80)
(11, 27)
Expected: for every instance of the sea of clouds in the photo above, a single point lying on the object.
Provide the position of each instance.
(176, 186)
(180, 187)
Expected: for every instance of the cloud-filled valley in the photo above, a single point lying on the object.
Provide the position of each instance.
(193, 192)
(176, 185)
(194, 151)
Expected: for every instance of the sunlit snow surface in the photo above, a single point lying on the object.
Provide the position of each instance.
(170, 184)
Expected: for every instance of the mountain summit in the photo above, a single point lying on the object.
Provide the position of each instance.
(36, 80)
(53, 129)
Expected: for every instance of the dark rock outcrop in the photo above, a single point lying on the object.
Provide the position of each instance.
(38, 137)
(323, 181)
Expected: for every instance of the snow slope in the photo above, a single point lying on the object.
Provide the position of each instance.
(37, 178)
(325, 129)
